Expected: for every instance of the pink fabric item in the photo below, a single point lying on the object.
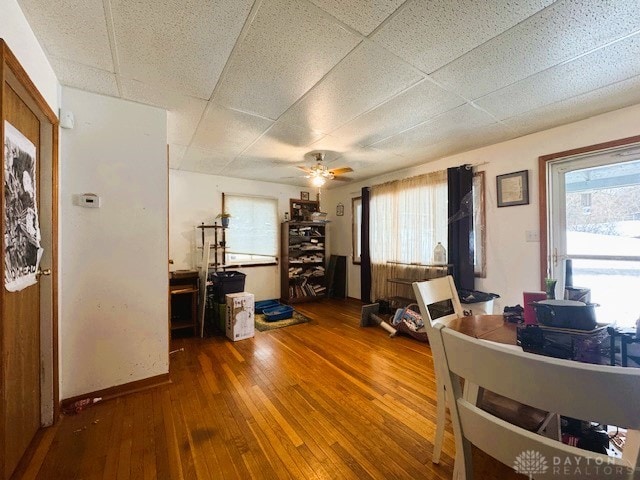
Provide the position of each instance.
(529, 312)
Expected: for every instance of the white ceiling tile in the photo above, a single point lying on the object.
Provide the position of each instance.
(183, 112)
(362, 156)
(227, 130)
(71, 29)
(404, 111)
(455, 123)
(520, 66)
(557, 34)
(333, 143)
(180, 44)
(205, 161)
(86, 78)
(283, 141)
(367, 77)
(599, 101)
(611, 64)
(366, 162)
(262, 169)
(432, 34)
(176, 154)
(289, 46)
(451, 145)
(362, 15)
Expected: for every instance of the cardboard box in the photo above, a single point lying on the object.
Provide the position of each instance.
(240, 316)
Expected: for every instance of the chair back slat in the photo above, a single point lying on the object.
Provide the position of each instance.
(567, 387)
(506, 443)
(604, 394)
(437, 290)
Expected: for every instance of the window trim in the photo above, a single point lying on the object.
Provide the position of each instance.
(543, 187)
(356, 260)
(480, 271)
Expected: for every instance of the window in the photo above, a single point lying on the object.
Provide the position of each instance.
(356, 227)
(407, 220)
(592, 200)
(252, 237)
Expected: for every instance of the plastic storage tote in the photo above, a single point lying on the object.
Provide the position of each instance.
(226, 282)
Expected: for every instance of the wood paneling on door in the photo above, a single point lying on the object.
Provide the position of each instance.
(28, 332)
(20, 327)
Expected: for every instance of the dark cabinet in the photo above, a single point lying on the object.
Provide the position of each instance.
(337, 276)
(183, 300)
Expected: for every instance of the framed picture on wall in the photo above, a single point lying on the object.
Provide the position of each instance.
(304, 195)
(513, 188)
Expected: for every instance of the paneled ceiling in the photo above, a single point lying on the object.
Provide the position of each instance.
(253, 86)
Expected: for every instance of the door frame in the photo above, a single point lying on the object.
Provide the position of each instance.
(13, 75)
(544, 186)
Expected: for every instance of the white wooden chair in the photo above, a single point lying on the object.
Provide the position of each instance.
(428, 293)
(604, 394)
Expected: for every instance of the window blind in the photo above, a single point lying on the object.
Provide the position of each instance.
(252, 236)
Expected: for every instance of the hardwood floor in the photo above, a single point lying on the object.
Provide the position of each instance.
(322, 400)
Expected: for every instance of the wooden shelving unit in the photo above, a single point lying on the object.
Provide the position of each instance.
(303, 252)
(300, 210)
(183, 300)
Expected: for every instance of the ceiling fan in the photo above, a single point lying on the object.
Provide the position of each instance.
(320, 173)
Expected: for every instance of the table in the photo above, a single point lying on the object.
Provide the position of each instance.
(487, 327)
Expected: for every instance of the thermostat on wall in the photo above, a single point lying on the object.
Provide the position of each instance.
(90, 200)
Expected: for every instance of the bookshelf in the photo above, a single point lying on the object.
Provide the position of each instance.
(303, 253)
(300, 210)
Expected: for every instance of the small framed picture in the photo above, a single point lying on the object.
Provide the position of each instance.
(340, 210)
(513, 188)
(304, 195)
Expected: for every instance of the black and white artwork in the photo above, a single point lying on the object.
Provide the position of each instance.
(22, 231)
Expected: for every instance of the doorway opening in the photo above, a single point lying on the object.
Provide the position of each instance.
(593, 218)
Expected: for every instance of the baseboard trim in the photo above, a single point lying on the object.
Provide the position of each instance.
(121, 390)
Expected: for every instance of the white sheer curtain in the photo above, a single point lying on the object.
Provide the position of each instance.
(407, 219)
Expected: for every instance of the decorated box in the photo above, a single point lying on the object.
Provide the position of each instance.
(240, 316)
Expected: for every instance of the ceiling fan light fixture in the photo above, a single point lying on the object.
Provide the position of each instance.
(318, 181)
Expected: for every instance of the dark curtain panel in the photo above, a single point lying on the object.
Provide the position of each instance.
(365, 257)
(460, 232)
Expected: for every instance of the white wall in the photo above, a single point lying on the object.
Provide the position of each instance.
(113, 283)
(197, 198)
(512, 263)
(19, 37)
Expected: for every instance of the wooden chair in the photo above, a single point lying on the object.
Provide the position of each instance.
(605, 394)
(427, 293)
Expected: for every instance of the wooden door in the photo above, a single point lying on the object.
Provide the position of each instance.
(20, 325)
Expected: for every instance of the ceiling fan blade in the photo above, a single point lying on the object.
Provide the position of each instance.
(340, 171)
(342, 179)
(304, 169)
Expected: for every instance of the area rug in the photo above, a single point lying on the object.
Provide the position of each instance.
(263, 326)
